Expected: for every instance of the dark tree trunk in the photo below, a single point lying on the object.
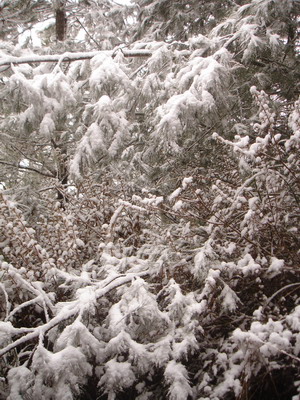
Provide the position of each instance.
(61, 24)
(60, 20)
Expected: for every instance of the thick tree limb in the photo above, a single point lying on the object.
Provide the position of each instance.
(67, 57)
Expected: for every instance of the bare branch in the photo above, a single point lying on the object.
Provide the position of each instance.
(89, 35)
(16, 165)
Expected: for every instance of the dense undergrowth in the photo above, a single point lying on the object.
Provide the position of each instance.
(130, 295)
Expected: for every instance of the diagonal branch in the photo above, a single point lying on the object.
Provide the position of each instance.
(89, 35)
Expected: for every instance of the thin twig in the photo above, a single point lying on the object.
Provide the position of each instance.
(27, 168)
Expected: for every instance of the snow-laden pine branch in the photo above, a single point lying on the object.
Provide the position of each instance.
(73, 308)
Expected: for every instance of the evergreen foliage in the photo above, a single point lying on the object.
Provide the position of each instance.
(149, 204)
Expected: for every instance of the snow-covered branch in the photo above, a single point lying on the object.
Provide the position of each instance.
(67, 57)
(73, 308)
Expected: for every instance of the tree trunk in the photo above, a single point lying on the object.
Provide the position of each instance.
(60, 19)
